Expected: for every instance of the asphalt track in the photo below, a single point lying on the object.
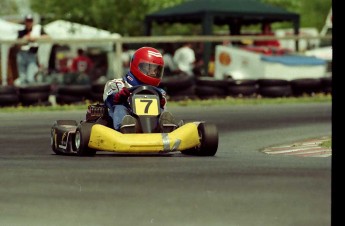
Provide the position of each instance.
(240, 186)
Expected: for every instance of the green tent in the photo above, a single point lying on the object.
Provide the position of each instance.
(233, 13)
(221, 12)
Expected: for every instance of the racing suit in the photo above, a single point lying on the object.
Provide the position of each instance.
(118, 107)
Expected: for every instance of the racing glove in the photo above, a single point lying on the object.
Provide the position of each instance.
(121, 96)
(163, 101)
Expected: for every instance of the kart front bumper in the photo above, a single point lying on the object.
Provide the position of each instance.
(106, 139)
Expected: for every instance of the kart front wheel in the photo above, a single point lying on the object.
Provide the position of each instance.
(208, 135)
(81, 140)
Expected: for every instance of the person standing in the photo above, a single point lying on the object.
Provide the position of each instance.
(266, 30)
(27, 61)
(82, 66)
(184, 58)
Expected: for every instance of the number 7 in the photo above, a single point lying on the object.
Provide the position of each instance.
(149, 102)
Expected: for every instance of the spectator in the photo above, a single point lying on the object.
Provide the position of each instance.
(199, 64)
(169, 64)
(184, 58)
(27, 61)
(267, 31)
(126, 57)
(82, 66)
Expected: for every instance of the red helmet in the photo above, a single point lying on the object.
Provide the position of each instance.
(147, 65)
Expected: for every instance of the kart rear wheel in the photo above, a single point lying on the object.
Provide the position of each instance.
(208, 135)
(81, 140)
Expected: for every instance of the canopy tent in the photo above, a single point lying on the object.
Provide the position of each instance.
(9, 30)
(233, 13)
(61, 29)
(221, 12)
(66, 30)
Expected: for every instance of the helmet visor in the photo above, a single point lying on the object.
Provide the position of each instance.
(152, 70)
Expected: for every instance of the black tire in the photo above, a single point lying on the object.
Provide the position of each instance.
(36, 98)
(209, 91)
(327, 90)
(272, 82)
(81, 140)
(305, 86)
(242, 90)
(176, 82)
(242, 82)
(68, 99)
(75, 90)
(97, 97)
(39, 88)
(326, 81)
(208, 135)
(186, 94)
(326, 84)
(210, 81)
(9, 99)
(275, 91)
(8, 90)
(97, 87)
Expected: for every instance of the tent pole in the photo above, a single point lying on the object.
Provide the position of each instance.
(207, 23)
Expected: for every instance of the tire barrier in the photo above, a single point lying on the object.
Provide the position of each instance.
(36, 94)
(97, 90)
(275, 91)
(184, 94)
(306, 86)
(274, 88)
(175, 83)
(326, 84)
(8, 96)
(73, 94)
(205, 92)
(209, 87)
(243, 88)
(178, 87)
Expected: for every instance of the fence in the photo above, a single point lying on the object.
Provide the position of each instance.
(117, 43)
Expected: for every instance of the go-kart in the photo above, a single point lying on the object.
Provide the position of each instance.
(149, 135)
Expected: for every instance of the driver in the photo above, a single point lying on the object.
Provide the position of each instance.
(146, 68)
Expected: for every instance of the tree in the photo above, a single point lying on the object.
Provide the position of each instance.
(313, 13)
(121, 16)
(8, 7)
(127, 16)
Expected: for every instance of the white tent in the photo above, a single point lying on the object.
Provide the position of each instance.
(61, 29)
(66, 30)
(58, 30)
(9, 30)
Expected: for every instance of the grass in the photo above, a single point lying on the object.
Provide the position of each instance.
(317, 98)
(255, 101)
(326, 144)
